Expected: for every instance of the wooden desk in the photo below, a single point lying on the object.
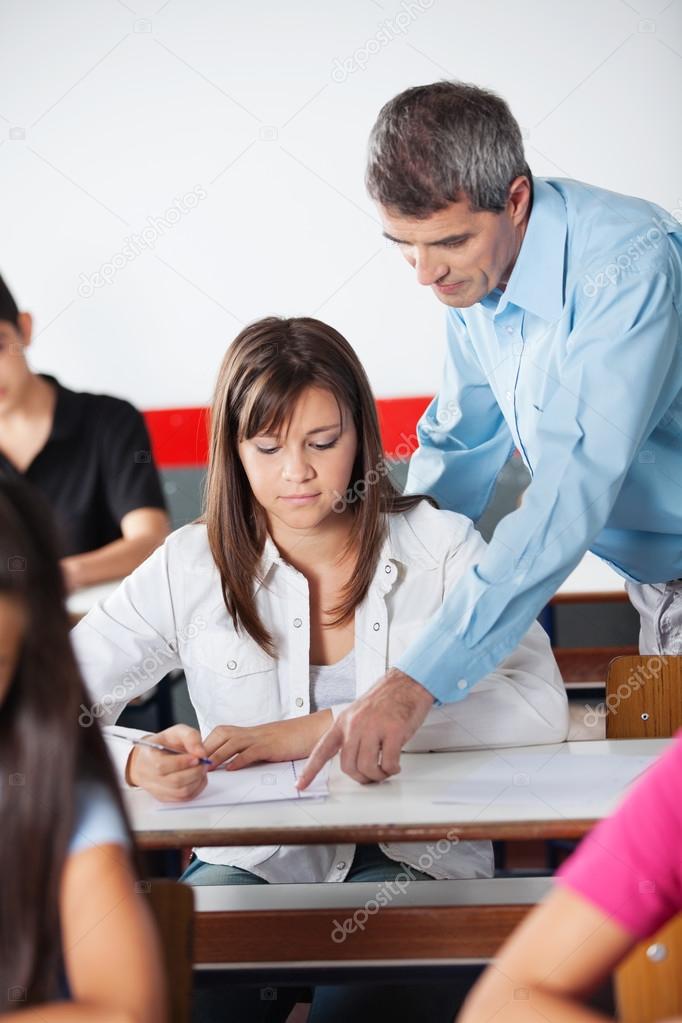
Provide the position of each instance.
(399, 810)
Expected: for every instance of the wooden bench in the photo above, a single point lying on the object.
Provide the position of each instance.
(335, 923)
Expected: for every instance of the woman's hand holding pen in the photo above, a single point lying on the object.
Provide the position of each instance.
(275, 741)
(170, 778)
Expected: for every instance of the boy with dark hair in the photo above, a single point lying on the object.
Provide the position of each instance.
(89, 454)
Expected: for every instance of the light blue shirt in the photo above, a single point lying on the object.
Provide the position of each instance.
(578, 364)
(98, 820)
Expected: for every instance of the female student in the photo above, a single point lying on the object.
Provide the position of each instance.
(306, 579)
(620, 886)
(72, 924)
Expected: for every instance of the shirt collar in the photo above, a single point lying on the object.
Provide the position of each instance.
(537, 280)
(401, 545)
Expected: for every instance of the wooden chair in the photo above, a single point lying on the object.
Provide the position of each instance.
(172, 905)
(648, 983)
(644, 701)
(644, 697)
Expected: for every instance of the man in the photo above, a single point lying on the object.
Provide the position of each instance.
(89, 454)
(564, 341)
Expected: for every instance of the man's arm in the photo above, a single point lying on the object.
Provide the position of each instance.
(613, 387)
(143, 531)
(521, 703)
(132, 491)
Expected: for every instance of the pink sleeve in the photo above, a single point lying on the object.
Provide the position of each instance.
(630, 865)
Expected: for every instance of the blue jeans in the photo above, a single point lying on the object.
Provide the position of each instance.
(402, 1002)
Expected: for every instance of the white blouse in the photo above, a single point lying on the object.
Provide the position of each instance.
(169, 613)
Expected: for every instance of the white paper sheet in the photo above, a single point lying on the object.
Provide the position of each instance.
(562, 781)
(261, 783)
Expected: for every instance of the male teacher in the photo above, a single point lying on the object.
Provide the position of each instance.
(564, 340)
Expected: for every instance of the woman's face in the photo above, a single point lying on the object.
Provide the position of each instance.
(299, 477)
(12, 624)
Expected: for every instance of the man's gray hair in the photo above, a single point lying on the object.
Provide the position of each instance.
(437, 144)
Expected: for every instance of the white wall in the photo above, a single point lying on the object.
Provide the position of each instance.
(111, 111)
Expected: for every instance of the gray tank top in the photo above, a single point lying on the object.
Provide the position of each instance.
(332, 683)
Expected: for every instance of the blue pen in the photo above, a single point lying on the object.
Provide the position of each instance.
(157, 746)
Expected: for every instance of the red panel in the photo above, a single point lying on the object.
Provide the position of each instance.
(180, 436)
(398, 421)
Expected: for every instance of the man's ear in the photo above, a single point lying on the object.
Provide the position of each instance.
(25, 328)
(519, 197)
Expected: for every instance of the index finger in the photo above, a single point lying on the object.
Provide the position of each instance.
(326, 748)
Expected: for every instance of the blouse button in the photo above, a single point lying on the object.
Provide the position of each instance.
(299, 701)
(376, 626)
(387, 569)
(232, 665)
(297, 623)
(340, 865)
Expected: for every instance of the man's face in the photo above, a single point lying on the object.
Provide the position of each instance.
(462, 256)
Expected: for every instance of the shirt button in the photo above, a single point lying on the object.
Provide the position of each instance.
(376, 626)
(297, 623)
(232, 665)
(510, 330)
(509, 396)
(462, 684)
(340, 865)
(299, 701)
(387, 569)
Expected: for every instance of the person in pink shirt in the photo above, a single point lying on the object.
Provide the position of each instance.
(620, 886)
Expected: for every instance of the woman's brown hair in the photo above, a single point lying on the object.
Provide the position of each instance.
(44, 753)
(264, 373)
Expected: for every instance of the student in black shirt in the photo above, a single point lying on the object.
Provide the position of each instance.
(89, 454)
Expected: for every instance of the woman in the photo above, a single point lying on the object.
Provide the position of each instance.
(309, 575)
(72, 924)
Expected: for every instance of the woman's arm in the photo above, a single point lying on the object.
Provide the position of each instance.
(110, 946)
(125, 645)
(292, 739)
(564, 948)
